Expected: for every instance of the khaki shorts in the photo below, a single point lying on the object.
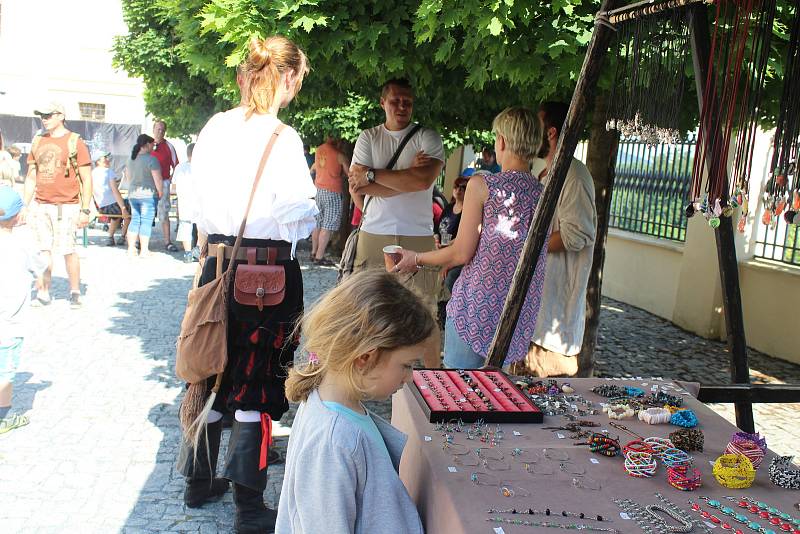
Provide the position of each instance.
(164, 203)
(369, 255)
(54, 226)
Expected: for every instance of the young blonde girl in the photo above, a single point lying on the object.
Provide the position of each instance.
(363, 339)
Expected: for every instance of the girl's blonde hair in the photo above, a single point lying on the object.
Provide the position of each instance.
(267, 61)
(368, 311)
(522, 130)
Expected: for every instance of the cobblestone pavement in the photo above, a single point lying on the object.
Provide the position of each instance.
(99, 388)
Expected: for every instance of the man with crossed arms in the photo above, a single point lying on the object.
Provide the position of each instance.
(399, 210)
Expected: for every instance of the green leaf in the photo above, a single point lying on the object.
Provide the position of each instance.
(495, 26)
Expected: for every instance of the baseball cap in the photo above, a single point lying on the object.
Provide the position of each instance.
(469, 171)
(10, 203)
(98, 153)
(50, 107)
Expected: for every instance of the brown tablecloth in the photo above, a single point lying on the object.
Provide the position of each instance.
(449, 503)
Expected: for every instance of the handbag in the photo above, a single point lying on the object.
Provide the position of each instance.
(202, 346)
(259, 285)
(347, 263)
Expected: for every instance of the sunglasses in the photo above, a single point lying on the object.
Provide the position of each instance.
(46, 116)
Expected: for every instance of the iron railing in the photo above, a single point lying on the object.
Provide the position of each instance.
(651, 189)
(779, 241)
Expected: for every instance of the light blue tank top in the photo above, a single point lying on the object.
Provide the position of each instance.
(362, 420)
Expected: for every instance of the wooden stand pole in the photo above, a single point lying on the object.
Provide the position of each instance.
(726, 248)
(567, 142)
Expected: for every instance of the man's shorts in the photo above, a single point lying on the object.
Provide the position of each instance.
(54, 226)
(10, 350)
(330, 210)
(113, 209)
(164, 203)
(184, 231)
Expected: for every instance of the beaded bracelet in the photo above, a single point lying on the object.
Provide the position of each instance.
(637, 445)
(640, 464)
(783, 474)
(751, 445)
(747, 448)
(682, 478)
(619, 411)
(604, 445)
(688, 439)
(655, 416)
(634, 392)
(662, 398)
(659, 445)
(684, 418)
(675, 458)
(746, 436)
(734, 471)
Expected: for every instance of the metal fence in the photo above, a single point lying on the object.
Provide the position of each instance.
(779, 242)
(651, 189)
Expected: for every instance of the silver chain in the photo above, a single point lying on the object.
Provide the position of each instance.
(688, 517)
(684, 525)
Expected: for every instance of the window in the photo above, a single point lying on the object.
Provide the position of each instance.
(92, 112)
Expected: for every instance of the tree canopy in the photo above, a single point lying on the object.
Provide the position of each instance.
(467, 60)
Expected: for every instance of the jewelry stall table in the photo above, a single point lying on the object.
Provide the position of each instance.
(517, 472)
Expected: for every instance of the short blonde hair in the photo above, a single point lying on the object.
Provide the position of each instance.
(261, 73)
(369, 311)
(522, 130)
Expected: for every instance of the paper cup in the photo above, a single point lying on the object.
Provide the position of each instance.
(392, 256)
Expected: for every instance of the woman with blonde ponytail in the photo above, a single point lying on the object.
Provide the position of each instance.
(260, 340)
(363, 339)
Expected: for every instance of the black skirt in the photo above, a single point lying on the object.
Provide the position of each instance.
(261, 344)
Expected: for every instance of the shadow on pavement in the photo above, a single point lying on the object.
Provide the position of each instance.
(153, 316)
(25, 391)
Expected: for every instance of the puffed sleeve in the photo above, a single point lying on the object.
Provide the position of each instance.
(293, 206)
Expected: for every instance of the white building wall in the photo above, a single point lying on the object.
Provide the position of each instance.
(61, 50)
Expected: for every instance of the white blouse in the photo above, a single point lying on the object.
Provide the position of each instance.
(224, 163)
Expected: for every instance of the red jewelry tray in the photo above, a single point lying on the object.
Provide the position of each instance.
(445, 395)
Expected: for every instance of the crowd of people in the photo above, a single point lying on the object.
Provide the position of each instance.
(363, 338)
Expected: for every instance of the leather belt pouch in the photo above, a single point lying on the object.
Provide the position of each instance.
(259, 285)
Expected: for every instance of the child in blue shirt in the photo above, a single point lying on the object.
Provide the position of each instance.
(18, 269)
(341, 476)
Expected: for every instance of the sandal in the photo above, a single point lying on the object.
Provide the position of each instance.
(13, 421)
(171, 247)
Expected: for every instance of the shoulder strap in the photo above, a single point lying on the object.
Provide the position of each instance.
(34, 144)
(72, 144)
(417, 127)
(262, 163)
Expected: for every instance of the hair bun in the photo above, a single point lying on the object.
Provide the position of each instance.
(259, 53)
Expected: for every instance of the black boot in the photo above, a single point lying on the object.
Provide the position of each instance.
(241, 468)
(201, 485)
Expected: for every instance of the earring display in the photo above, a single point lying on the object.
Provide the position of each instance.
(472, 394)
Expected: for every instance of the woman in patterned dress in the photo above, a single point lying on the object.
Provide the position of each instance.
(497, 214)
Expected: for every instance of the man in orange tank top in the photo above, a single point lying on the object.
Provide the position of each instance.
(330, 165)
